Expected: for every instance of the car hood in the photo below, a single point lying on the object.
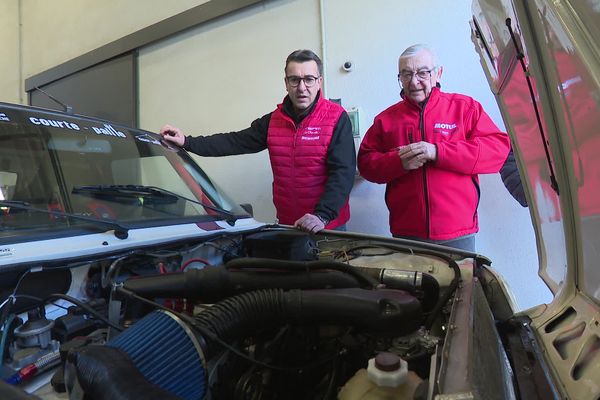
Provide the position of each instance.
(542, 61)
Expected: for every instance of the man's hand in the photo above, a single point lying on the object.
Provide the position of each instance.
(173, 134)
(309, 223)
(414, 155)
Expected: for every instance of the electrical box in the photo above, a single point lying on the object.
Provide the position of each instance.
(354, 115)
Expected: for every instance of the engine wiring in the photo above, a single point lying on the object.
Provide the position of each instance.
(9, 301)
(85, 307)
(194, 260)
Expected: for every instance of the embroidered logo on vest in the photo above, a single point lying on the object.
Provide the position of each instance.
(311, 130)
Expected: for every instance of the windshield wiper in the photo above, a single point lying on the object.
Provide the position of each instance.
(151, 193)
(148, 193)
(14, 203)
(120, 231)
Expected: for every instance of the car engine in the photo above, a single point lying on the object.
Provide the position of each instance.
(266, 314)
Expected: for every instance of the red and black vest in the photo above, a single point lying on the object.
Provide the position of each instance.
(299, 161)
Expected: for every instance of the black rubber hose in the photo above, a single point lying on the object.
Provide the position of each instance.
(241, 263)
(107, 373)
(431, 291)
(213, 284)
(391, 312)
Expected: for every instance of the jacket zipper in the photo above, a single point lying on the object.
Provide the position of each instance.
(296, 129)
(426, 198)
(478, 197)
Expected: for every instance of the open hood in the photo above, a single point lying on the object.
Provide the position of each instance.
(542, 61)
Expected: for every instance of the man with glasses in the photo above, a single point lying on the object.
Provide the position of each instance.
(429, 149)
(310, 146)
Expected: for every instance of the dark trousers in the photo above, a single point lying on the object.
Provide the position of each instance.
(464, 242)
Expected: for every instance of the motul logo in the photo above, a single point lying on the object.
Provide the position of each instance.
(440, 125)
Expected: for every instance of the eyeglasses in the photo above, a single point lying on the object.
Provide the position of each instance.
(421, 75)
(308, 80)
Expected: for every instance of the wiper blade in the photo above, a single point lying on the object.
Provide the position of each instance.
(120, 231)
(127, 191)
(148, 193)
(14, 203)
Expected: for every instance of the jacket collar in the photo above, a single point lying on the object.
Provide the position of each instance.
(287, 107)
(432, 96)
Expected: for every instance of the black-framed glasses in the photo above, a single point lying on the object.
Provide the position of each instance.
(308, 80)
(422, 75)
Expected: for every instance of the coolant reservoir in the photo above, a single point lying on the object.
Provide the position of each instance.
(386, 377)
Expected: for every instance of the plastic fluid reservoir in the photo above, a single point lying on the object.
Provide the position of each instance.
(386, 377)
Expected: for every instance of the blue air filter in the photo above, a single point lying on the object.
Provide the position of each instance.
(167, 353)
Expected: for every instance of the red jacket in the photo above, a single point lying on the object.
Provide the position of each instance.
(299, 161)
(439, 200)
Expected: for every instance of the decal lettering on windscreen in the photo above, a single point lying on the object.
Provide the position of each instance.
(4, 117)
(105, 129)
(148, 138)
(6, 252)
(144, 137)
(54, 123)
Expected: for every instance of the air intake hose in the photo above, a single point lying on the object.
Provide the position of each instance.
(392, 312)
(212, 284)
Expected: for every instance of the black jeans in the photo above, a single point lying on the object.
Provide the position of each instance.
(464, 242)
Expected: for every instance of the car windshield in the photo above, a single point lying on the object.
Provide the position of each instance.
(55, 168)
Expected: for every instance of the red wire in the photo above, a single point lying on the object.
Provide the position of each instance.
(191, 260)
(161, 268)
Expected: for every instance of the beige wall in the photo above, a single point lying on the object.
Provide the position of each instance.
(10, 59)
(56, 31)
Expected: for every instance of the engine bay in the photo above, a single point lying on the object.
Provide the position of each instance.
(266, 314)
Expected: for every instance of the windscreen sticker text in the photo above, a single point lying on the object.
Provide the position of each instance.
(147, 139)
(106, 129)
(54, 123)
(6, 252)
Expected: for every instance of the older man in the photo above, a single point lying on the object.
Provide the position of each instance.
(310, 145)
(429, 149)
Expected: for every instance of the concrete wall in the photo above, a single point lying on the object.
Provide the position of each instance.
(224, 74)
